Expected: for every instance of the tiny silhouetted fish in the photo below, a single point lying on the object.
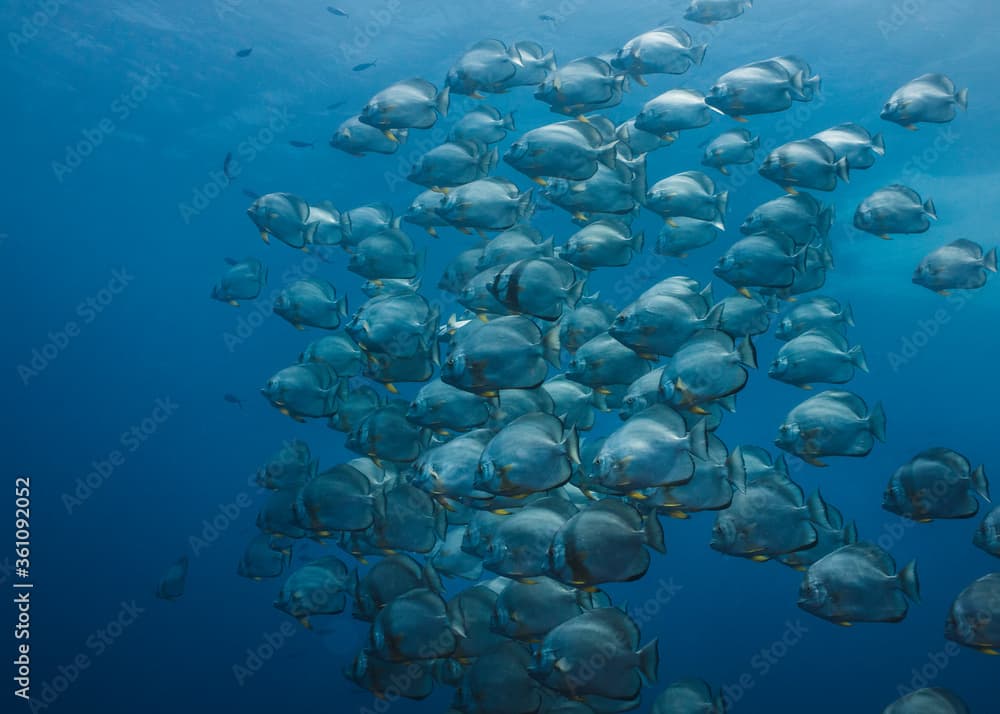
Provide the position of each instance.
(301, 144)
(225, 165)
(336, 11)
(232, 398)
(250, 194)
(335, 105)
(244, 53)
(231, 261)
(547, 18)
(363, 66)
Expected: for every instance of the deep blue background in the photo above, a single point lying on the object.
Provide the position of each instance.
(163, 338)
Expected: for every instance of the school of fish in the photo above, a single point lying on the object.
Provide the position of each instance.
(485, 473)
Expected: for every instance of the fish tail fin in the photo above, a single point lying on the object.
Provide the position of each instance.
(857, 357)
(571, 443)
(909, 582)
(801, 258)
(713, 320)
(843, 170)
(747, 352)
(876, 422)
(799, 81)
(698, 440)
(342, 307)
(963, 98)
(346, 227)
(331, 398)
(574, 294)
(508, 122)
(608, 154)
(551, 348)
(549, 61)
(815, 83)
(653, 533)
(851, 533)
(929, 209)
(649, 661)
(638, 240)
(488, 161)
(818, 511)
(755, 143)
(432, 578)
(441, 102)
(721, 202)
(990, 260)
(526, 204)
(698, 53)
(848, 314)
(980, 483)
(878, 144)
(737, 469)
(826, 218)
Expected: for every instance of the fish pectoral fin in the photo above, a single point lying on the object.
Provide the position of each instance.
(759, 558)
(846, 624)
(563, 665)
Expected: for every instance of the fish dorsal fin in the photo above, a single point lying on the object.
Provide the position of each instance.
(871, 553)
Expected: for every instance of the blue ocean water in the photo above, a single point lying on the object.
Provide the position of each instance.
(115, 227)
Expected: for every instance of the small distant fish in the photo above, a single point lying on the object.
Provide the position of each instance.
(363, 66)
(225, 165)
(336, 11)
(233, 399)
(301, 144)
(251, 194)
(171, 586)
(547, 18)
(335, 105)
(244, 53)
